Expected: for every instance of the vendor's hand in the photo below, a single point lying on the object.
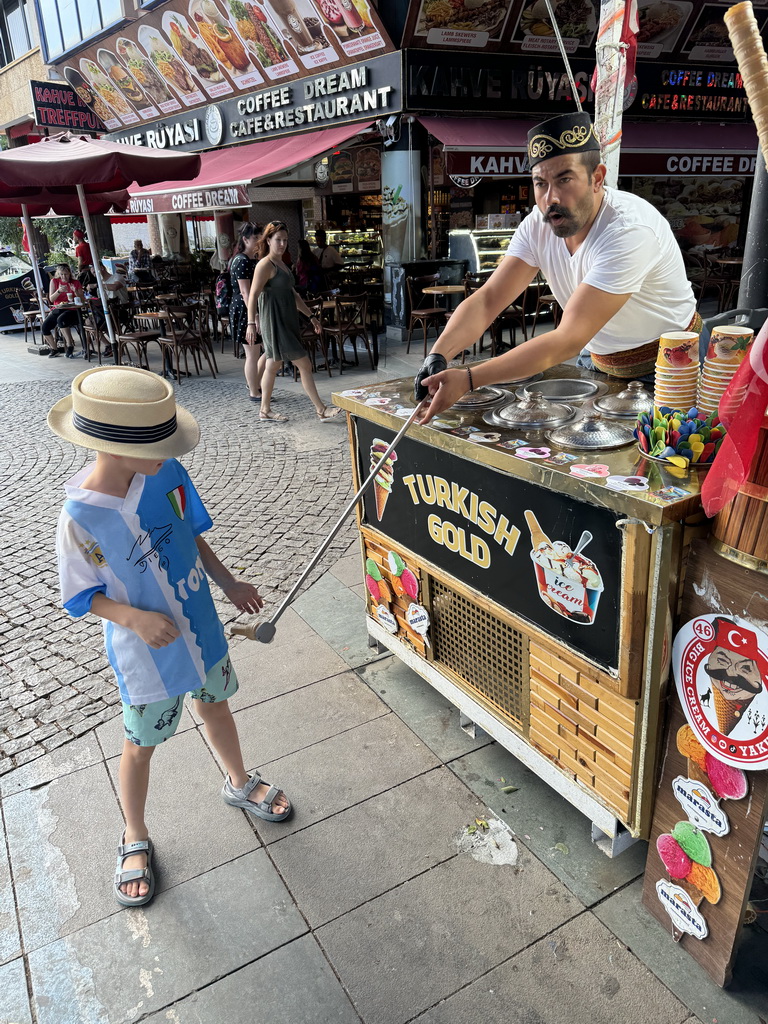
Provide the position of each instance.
(434, 363)
(154, 628)
(446, 388)
(244, 596)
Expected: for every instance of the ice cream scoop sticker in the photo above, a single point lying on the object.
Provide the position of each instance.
(586, 470)
(385, 477)
(484, 438)
(533, 453)
(627, 483)
(385, 617)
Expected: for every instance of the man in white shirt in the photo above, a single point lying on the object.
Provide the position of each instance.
(328, 255)
(609, 258)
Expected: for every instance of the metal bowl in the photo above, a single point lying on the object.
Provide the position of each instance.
(533, 412)
(563, 389)
(520, 380)
(628, 404)
(592, 433)
(482, 398)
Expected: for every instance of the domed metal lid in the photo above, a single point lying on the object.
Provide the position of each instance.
(533, 411)
(592, 432)
(562, 389)
(481, 398)
(628, 404)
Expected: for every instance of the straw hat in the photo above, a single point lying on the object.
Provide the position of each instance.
(124, 411)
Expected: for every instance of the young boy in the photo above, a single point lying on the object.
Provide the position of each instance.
(130, 550)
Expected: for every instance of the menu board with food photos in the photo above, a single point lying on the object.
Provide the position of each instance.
(701, 211)
(191, 52)
(688, 28)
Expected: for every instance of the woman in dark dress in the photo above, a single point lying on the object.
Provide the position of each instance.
(273, 312)
(241, 268)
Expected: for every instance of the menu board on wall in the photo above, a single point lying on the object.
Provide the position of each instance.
(187, 53)
(692, 29)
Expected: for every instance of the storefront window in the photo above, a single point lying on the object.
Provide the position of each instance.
(16, 34)
(70, 23)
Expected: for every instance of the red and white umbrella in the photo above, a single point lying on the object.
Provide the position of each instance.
(73, 166)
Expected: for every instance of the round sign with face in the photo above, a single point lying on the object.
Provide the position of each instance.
(720, 665)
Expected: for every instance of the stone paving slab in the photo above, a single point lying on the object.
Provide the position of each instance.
(578, 974)
(355, 856)
(433, 718)
(338, 616)
(14, 1001)
(293, 985)
(419, 943)
(192, 935)
(10, 940)
(192, 828)
(349, 569)
(265, 671)
(62, 840)
(743, 1002)
(337, 773)
(303, 717)
(558, 834)
(77, 754)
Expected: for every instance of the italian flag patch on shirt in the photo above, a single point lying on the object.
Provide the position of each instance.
(178, 500)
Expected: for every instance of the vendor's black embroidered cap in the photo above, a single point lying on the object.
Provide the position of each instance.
(566, 133)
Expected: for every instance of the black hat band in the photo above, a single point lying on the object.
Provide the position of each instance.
(122, 433)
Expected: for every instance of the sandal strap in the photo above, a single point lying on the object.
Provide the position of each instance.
(251, 784)
(266, 803)
(134, 875)
(127, 849)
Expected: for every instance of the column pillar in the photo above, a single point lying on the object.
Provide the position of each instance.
(224, 222)
(401, 219)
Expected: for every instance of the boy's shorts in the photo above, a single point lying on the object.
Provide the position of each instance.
(147, 725)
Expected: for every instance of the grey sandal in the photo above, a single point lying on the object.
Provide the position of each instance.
(262, 809)
(135, 874)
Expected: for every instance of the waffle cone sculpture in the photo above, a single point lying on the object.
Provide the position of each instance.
(753, 65)
(729, 712)
(382, 484)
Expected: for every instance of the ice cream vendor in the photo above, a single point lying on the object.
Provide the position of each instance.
(609, 258)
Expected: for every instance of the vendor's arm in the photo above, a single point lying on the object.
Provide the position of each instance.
(587, 311)
(243, 596)
(477, 312)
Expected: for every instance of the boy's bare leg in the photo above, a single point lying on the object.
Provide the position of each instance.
(134, 782)
(222, 732)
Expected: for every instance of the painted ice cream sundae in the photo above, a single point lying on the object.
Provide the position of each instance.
(394, 209)
(569, 583)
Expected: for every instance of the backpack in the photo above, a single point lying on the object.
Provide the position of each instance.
(223, 293)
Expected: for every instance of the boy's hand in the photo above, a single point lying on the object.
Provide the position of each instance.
(154, 628)
(244, 596)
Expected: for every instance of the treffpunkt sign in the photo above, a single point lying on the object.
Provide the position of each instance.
(57, 105)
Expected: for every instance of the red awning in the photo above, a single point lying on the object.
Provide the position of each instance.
(240, 165)
(497, 149)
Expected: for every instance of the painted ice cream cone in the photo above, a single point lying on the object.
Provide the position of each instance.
(753, 65)
(695, 893)
(697, 774)
(729, 712)
(382, 482)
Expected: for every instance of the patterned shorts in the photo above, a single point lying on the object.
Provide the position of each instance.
(147, 725)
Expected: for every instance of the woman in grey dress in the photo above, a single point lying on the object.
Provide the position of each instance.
(273, 312)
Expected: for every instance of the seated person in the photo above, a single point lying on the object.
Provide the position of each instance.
(65, 293)
(138, 263)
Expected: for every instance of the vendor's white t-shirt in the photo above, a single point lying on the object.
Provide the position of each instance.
(630, 248)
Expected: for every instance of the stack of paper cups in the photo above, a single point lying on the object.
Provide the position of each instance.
(677, 370)
(727, 348)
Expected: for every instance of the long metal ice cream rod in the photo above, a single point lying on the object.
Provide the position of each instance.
(266, 630)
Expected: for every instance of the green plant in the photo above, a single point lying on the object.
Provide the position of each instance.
(11, 233)
(108, 254)
(55, 256)
(58, 230)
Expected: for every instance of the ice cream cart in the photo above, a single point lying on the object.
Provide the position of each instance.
(532, 584)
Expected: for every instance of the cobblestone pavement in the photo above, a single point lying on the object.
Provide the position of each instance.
(273, 490)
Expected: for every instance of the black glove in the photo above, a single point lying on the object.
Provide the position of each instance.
(434, 363)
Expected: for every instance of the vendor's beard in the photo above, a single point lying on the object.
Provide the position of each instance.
(738, 680)
(573, 220)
